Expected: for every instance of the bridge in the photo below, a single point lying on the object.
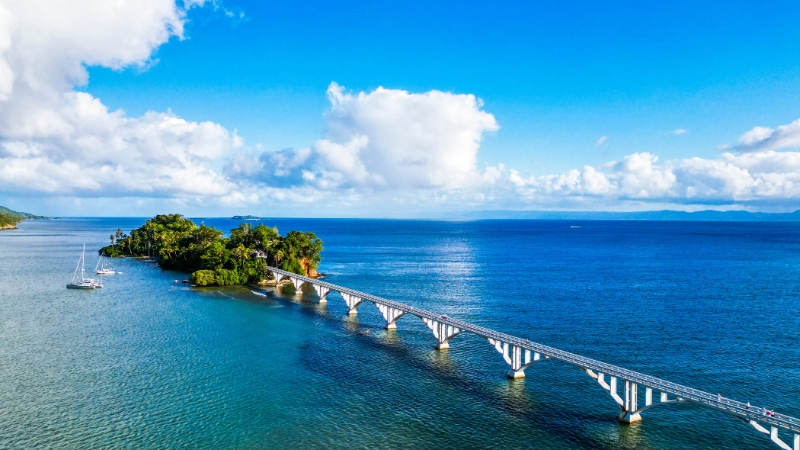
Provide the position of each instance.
(624, 386)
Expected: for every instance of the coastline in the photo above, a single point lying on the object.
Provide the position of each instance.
(261, 284)
(8, 227)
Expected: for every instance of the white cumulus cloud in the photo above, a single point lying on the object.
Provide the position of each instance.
(765, 138)
(765, 178)
(386, 139)
(756, 175)
(56, 140)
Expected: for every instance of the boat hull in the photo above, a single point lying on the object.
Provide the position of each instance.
(82, 286)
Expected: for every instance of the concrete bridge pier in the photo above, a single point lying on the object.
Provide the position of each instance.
(322, 293)
(517, 358)
(391, 315)
(352, 303)
(443, 332)
(773, 436)
(630, 409)
(277, 277)
(629, 405)
(298, 285)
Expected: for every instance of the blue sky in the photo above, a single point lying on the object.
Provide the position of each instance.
(556, 77)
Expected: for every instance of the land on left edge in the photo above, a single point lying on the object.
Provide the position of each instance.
(10, 218)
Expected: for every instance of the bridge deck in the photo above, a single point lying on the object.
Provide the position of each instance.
(726, 405)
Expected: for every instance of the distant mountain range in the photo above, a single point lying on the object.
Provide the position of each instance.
(8, 215)
(729, 216)
(10, 218)
(9, 212)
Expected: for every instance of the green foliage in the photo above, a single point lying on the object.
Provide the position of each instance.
(217, 277)
(292, 264)
(10, 218)
(214, 260)
(203, 278)
(22, 216)
(112, 251)
(225, 277)
(299, 252)
(216, 255)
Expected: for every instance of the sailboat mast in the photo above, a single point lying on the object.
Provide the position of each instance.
(76, 270)
(83, 257)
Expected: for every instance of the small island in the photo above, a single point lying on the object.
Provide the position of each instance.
(10, 218)
(177, 243)
(246, 218)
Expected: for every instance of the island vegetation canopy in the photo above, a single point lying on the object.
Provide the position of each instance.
(178, 243)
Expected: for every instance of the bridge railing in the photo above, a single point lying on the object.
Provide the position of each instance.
(685, 393)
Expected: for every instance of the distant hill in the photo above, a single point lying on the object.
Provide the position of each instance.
(10, 218)
(9, 212)
(719, 216)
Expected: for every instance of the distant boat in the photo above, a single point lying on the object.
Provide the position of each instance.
(82, 282)
(101, 268)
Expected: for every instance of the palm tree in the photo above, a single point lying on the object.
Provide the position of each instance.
(278, 254)
(241, 254)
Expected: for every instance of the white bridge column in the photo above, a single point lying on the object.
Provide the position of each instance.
(322, 293)
(517, 358)
(298, 285)
(442, 331)
(276, 276)
(629, 405)
(352, 302)
(630, 410)
(390, 314)
(773, 436)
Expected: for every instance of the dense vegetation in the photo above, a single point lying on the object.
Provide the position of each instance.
(179, 244)
(10, 218)
(9, 221)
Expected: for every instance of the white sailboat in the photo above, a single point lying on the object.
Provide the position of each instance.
(82, 282)
(101, 268)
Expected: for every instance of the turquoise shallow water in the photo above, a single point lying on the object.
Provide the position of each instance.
(148, 363)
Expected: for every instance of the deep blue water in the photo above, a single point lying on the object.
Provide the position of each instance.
(148, 363)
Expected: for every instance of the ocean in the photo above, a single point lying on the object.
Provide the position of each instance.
(147, 362)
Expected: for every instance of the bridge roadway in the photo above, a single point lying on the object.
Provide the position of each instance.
(517, 354)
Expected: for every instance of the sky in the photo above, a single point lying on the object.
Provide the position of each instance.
(397, 109)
